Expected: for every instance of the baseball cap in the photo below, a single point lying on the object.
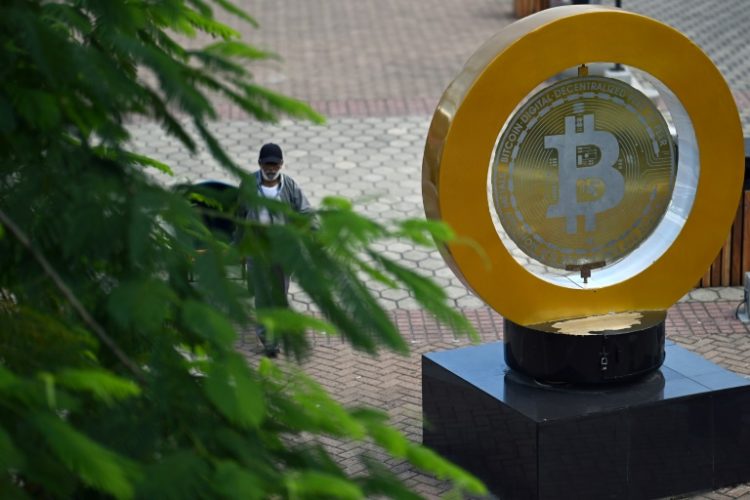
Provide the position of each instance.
(270, 153)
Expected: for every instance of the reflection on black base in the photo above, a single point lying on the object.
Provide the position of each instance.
(600, 357)
(680, 429)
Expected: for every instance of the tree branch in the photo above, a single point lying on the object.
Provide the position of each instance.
(70, 296)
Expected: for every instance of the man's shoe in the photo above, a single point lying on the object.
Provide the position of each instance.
(271, 352)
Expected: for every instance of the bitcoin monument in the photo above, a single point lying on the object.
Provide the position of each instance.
(582, 175)
(594, 208)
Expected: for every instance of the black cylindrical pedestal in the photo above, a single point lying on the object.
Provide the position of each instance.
(539, 351)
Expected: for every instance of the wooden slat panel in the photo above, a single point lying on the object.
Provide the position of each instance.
(746, 232)
(735, 278)
(523, 8)
(716, 271)
(726, 259)
(706, 280)
(733, 261)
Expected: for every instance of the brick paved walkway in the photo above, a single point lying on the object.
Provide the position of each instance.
(377, 68)
(373, 57)
(396, 57)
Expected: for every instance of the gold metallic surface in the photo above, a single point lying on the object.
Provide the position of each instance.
(601, 323)
(583, 172)
(474, 108)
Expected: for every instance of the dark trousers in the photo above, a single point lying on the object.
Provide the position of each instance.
(270, 285)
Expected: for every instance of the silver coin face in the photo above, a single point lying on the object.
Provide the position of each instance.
(583, 172)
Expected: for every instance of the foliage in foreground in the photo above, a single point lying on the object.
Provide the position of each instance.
(118, 375)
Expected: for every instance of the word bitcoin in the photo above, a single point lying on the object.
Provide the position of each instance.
(583, 172)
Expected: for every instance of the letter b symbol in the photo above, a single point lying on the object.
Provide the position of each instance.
(569, 173)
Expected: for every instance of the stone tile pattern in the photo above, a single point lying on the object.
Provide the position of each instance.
(373, 51)
(717, 27)
(393, 383)
(395, 57)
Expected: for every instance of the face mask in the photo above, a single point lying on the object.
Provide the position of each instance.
(270, 177)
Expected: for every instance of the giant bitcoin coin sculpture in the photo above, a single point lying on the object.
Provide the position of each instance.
(599, 215)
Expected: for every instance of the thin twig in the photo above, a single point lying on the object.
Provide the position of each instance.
(70, 296)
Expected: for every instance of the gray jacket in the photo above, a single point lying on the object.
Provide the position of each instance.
(290, 193)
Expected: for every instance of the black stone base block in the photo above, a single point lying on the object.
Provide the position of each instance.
(599, 357)
(680, 429)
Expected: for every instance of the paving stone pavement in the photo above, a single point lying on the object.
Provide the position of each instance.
(717, 27)
(394, 57)
(377, 68)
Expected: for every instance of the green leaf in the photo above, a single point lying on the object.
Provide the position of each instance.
(381, 482)
(7, 379)
(291, 107)
(207, 323)
(202, 7)
(9, 490)
(375, 274)
(211, 273)
(10, 458)
(32, 341)
(37, 107)
(233, 390)
(7, 116)
(336, 203)
(209, 25)
(204, 200)
(233, 9)
(142, 304)
(69, 15)
(231, 48)
(147, 162)
(285, 320)
(179, 475)
(399, 446)
(342, 297)
(312, 484)
(142, 227)
(50, 472)
(97, 466)
(49, 389)
(103, 385)
(427, 459)
(426, 232)
(117, 154)
(157, 109)
(214, 147)
(232, 481)
(321, 411)
(269, 370)
(342, 228)
(390, 439)
(429, 295)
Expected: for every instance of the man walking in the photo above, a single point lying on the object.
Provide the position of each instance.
(269, 282)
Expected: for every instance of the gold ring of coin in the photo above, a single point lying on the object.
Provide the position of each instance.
(500, 75)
